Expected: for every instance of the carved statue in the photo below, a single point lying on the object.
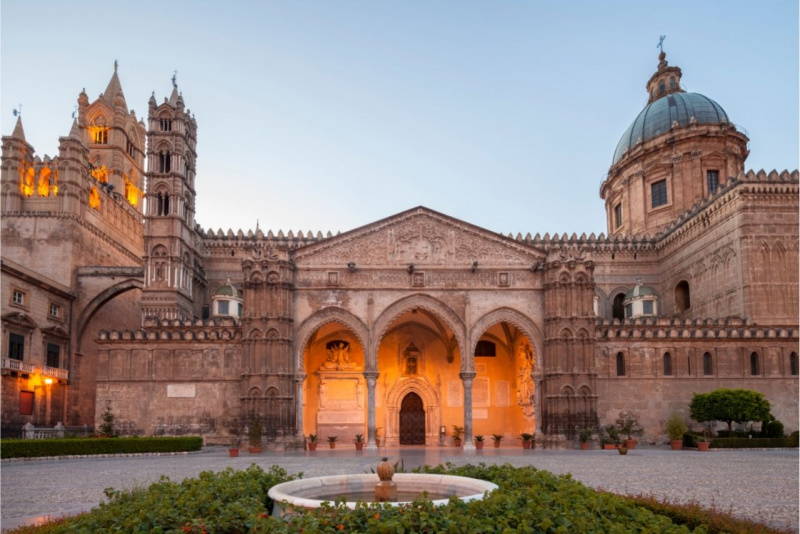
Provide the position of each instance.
(339, 357)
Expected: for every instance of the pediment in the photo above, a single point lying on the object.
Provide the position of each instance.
(421, 237)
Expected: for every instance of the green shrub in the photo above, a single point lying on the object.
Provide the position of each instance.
(676, 426)
(31, 448)
(772, 428)
(754, 443)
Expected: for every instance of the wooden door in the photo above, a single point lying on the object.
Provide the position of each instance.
(412, 420)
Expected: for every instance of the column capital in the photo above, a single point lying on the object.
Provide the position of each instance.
(467, 375)
(300, 376)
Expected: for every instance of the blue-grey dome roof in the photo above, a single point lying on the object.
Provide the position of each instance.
(657, 118)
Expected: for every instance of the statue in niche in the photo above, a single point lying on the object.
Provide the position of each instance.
(525, 386)
(338, 356)
(411, 365)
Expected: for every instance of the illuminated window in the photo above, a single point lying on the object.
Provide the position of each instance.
(44, 183)
(617, 215)
(26, 182)
(53, 355)
(54, 184)
(100, 174)
(658, 191)
(667, 364)
(99, 134)
(485, 349)
(712, 180)
(94, 198)
(132, 193)
(16, 346)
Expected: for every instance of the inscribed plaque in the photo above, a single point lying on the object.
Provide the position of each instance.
(454, 395)
(501, 393)
(181, 390)
(480, 413)
(480, 393)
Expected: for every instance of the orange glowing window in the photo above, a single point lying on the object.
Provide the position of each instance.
(54, 184)
(99, 134)
(94, 198)
(100, 174)
(44, 183)
(132, 193)
(26, 183)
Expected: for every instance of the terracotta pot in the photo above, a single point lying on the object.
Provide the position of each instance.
(623, 449)
(496, 444)
(630, 443)
(233, 453)
(676, 444)
(255, 450)
(456, 442)
(479, 445)
(332, 444)
(609, 446)
(526, 444)
(359, 445)
(702, 446)
(312, 446)
(584, 446)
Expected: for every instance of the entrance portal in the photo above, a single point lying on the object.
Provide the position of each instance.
(412, 420)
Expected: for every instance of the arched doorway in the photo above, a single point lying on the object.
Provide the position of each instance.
(412, 420)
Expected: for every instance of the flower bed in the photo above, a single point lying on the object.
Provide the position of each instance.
(32, 448)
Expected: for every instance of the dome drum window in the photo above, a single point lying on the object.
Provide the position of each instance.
(227, 301)
(641, 301)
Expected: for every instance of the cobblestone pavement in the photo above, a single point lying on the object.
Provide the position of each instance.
(760, 485)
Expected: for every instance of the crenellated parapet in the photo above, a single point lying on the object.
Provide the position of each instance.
(154, 329)
(676, 328)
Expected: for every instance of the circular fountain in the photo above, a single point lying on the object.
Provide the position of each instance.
(397, 489)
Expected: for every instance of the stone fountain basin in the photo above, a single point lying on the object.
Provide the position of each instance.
(312, 492)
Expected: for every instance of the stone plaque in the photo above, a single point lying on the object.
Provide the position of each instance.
(480, 368)
(181, 390)
(501, 393)
(480, 413)
(340, 418)
(454, 395)
(480, 393)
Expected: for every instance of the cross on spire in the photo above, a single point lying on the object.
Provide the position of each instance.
(18, 111)
(661, 43)
(175, 78)
(116, 64)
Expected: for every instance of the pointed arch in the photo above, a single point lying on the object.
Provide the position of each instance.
(426, 302)
(321, 318)
(510, 316)
(97, 302)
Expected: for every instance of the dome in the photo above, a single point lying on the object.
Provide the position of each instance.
(657, 118)
(227, 290)
(640, 291)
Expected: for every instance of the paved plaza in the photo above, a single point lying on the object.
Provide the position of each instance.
(760, 485)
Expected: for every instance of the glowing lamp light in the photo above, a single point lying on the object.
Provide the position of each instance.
(48, 381)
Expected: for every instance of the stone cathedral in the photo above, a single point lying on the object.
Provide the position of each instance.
(114, 295)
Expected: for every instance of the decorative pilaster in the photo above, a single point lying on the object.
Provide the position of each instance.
(299, 378)
(466, 379)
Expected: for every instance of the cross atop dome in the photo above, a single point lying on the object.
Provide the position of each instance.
(666, 79)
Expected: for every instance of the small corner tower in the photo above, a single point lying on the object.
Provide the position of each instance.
(169, 237)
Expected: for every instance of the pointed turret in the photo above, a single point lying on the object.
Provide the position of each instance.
(173, 98)
(75, 131)
(19, 133)
(113, 89)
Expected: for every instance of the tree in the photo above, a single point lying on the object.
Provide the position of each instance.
(107, 426)
(729, 405)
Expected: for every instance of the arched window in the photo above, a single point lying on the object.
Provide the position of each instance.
(618, 308)
(754, 364)
(667, 364)
(164, 161)
(672, 84)
(206, 312)
(162, 206)
(682, 296)
(661, 88)
(793, 364)
(620, 364)
(707, 364)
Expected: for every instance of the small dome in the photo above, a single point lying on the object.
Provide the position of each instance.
(640, 291)
(227, 290)
(657, 118)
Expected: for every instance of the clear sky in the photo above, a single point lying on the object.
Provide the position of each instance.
(330, 115)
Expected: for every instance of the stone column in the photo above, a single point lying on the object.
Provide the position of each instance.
(372, 379)
(299, 378)
(466, 379)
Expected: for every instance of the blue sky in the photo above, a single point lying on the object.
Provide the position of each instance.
(330, 115)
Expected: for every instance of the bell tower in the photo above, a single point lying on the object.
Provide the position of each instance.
(169, 238)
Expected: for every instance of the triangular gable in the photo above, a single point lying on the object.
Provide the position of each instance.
(55, 331)
(19, 319)
(421, 237)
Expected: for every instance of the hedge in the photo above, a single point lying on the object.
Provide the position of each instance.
(31, 448)
(528, 500)
(753, 443)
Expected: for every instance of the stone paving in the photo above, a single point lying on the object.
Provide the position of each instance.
(760, 485)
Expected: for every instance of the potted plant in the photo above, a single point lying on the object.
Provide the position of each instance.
(585, 436)
(233, 450)
(676, 428)
(359, 441)
(628, 426)
(497, 439)
(311, 442)
(527, 440)
(255, 437)
(703, 441)
(332, 441)
(457, 431)
(612, 441)
(479, 442)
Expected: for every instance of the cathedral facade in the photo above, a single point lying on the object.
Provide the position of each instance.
(112, 294)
